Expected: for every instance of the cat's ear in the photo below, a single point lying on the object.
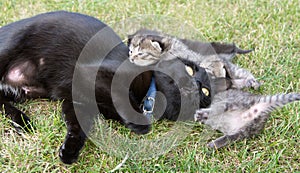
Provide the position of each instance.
(129, 39)
(156, 45)
(159, 40)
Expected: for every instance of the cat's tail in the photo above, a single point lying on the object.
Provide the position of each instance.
(270, 103)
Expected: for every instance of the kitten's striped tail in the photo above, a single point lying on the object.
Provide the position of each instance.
(278, 100)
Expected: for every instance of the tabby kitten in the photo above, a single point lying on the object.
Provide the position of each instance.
(146, 50)
(238, 114)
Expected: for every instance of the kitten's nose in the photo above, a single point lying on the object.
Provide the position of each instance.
(131, 60)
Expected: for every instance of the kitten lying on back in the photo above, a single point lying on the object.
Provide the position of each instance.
(148, 49)
(238, 114)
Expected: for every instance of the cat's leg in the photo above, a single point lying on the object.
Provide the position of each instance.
(75, 138)
(19, 119)
(202, 115)
(224, 140)
(241, 78)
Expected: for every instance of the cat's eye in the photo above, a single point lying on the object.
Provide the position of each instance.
(205, 91)
(189, 70)
(140, 54)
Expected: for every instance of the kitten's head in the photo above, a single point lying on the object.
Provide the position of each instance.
(145, 50)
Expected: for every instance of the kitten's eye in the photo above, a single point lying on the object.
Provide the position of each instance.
(205, 91)
(140, 54)
(189, 70)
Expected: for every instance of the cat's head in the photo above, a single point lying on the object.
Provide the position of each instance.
(202, 80)
(145, 50)
(193, 81)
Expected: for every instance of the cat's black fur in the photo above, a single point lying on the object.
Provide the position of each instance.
(37, 60)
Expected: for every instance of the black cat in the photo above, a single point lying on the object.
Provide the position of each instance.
(39, 59)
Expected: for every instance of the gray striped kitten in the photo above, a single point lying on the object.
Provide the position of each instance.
(238, 114)
(148, 49)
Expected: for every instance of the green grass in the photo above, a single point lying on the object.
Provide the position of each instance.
(271, 28)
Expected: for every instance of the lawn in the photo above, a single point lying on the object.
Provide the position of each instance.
(271, 28)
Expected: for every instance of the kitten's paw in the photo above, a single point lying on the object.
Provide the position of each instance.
(216, 144)
(212, 145)
(245, 83)
(253, 83)
(222, 141)
(201, 115)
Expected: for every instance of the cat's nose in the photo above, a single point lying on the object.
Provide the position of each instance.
(131, 60)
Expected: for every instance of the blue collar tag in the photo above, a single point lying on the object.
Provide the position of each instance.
(149, 100)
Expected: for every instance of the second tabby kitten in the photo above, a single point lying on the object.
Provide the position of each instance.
(238, 114)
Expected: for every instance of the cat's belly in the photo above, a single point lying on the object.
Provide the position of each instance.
(22, 75)
(228, 123)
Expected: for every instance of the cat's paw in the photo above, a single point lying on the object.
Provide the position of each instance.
(139, 129)
(222, 141)
(68, 155)
(216, 144)
(69, 151)
(252, 83)
(212, 145)
(201, 115)
(22, 122)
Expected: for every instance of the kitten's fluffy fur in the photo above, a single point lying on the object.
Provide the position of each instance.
(236, 113)
(239, 114)
(148, 49)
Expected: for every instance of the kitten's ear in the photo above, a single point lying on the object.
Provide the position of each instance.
(156, 45)
(129, 38)
(159, 40)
